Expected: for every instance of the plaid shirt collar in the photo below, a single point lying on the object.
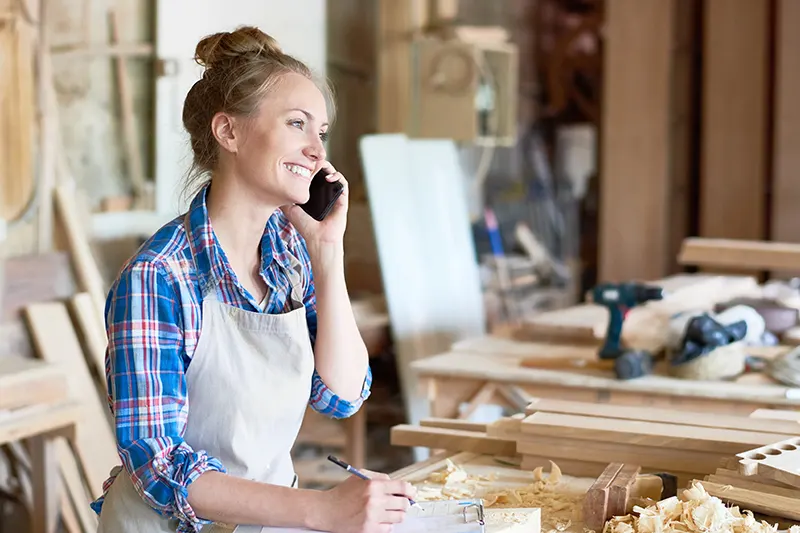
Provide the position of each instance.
(209, 257)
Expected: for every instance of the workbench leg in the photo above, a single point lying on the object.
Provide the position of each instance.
(45, 483)
(356, 437)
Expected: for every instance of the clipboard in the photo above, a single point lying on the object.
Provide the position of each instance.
(444, 516)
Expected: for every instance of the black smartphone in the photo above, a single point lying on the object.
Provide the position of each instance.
(323, 195)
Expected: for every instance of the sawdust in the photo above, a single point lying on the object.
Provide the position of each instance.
(558, 510)
(694, 511)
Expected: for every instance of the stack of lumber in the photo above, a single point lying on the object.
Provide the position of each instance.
(53, 313)
(764, 479)
(583, 438)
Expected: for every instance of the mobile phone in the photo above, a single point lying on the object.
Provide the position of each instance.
(322, 195)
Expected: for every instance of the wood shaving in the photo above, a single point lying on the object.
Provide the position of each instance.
(694, 511)
(558, 510)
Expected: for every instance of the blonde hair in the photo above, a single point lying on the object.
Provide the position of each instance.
(241, 67)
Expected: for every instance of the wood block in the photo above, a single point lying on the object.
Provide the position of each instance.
(620, 488)
(595, 504)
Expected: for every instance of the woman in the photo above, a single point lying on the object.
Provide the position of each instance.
(219, 335)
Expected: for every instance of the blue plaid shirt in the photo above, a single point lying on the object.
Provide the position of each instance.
(153, 321)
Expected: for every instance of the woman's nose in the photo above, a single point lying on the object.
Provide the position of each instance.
(316, 150)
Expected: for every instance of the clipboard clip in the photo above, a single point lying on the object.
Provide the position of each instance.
(479, 509)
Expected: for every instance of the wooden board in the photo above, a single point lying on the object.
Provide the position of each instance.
(769, 504)
(722, 441)
(779, 460)
(636, 140)
(785, 196)
(35, 278)
(26, 382)
(741, 254)
(735, 118)
(56, 342)
(667, 416)
(451, 439)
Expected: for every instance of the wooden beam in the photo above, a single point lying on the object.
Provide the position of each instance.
(398, 21)
(636, 140)
(734, 119)
(740, 254)
(785, 217)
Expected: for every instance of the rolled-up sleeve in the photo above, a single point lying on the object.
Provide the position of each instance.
(148, 393)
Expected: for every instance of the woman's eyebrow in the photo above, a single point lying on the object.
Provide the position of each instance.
(308, 115)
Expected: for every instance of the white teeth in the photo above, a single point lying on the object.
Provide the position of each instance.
(301, 171)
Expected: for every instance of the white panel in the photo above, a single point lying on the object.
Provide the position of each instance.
(430, 275)
(299, 26)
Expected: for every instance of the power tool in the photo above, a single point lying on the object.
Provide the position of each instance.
(620, 298)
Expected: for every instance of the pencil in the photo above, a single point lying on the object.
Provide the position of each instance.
(356, 472)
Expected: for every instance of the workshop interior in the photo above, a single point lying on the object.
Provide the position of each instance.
(572, 250)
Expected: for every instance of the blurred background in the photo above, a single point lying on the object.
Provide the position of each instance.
(504, 156)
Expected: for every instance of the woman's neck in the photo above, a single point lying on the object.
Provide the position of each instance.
(238, 219)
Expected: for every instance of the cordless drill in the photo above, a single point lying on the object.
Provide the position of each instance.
(620, 298)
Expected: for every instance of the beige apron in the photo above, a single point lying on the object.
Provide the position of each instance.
(249, 384)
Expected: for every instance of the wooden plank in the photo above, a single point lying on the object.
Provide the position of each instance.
(38, 419)
(449, 423)
(26, 382)
(35, 278)
(397, 22)
(87, 271)
(661, 458)
(769, 504)
(635, 132)
(740, 254)
(56, 342)
(667, 416)
(450, 439)
(785, 218)
(734, 119)
(776, 414)
(723, 441)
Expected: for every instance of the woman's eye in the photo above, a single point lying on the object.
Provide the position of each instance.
(324, 136)
(297, 123)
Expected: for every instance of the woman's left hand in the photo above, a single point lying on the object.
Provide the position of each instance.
(331, 229)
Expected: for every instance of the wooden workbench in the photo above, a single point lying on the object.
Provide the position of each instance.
(487, 371)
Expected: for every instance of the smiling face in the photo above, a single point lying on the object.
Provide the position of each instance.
(275, 153)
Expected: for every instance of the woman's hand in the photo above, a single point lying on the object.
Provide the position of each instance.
(361, 506)
(331, 229)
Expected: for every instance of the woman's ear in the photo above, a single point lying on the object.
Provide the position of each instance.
(222, 126)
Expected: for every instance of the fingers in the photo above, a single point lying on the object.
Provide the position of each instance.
(393, 517)
(397, 503)
(400, 488)
(375, 475)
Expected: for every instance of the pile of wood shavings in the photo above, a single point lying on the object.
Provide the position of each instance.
(694, 512)
(557, 510)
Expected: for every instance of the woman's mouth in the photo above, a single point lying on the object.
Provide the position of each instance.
(298, 170)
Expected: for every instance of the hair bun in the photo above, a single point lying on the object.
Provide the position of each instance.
(225, 46)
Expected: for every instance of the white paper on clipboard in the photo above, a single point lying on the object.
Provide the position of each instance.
(446, 516)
